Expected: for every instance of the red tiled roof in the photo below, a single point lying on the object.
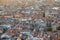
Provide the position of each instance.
(13, 31)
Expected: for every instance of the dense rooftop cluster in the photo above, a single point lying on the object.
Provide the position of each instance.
(29, 20)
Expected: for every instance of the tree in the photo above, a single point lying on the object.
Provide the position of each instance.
(4, 30)
(58, 28)
(49, 29)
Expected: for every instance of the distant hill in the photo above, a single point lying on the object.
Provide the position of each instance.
(4, 2)
(17, 2)
(14, 2)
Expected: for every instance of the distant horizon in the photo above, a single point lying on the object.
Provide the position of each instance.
(13, 2)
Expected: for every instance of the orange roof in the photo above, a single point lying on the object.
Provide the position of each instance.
(18, 15)
(58, 39)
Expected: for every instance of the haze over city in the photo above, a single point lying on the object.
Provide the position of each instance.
(29, 19)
